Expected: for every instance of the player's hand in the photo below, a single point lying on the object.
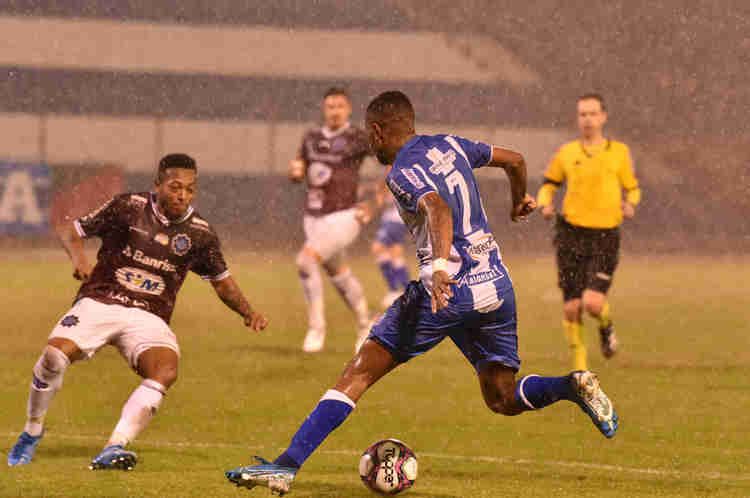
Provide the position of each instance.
(256, 321)
(441, 290)
(548, 212)
(81, 270)
(296, 170)
(363, 213)
(628, 210)
(524, 208)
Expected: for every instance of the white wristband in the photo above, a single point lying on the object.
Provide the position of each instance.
(440, 264)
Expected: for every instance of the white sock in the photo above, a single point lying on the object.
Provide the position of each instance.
(138, 411)
(47, 380)
(312, 285)
(351, 290)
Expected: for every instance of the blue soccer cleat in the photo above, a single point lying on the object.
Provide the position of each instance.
(592, 400)
(114, 457)
(23, 451)
(276, 477)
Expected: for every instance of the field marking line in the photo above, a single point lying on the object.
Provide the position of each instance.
(651, 471)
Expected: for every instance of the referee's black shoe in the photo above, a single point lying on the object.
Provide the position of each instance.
(608, 340)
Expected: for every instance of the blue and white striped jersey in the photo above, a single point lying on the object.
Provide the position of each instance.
(444, 164)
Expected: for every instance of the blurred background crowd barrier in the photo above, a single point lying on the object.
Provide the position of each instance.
(93, 92)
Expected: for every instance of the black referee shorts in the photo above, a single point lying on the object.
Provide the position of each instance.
(586, 258)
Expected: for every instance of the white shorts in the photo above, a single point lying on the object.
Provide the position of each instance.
(92, 325)
(331, 234)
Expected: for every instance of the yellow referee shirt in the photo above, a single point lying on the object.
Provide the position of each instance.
(595, 177)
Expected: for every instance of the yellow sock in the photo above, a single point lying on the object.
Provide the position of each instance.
(574, 335)
(603, 318)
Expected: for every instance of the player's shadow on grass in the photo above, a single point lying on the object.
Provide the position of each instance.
(272, 350)
(351, 491)
(65, 449)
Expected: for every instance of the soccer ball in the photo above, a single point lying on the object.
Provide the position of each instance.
(388, 467)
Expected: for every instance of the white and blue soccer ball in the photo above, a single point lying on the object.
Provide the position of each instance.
(388, 467)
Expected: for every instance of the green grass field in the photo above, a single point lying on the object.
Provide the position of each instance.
(680, 385)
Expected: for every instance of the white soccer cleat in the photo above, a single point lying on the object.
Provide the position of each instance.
(314, 341)
(594, 402)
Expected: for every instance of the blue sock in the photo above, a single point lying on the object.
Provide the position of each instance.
(331, 411)
(534, 392)
(386, 268)
(401, 275)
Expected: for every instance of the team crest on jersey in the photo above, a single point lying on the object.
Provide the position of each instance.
(324, 145)
(181, 244)
(70, 321)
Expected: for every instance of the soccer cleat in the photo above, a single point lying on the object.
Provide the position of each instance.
(277, 478)
(592, 400)
(608, 340)
(314, 341)
(114, 457)
(23, 451)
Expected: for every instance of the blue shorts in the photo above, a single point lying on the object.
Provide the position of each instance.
(391, 233)
(483, 338)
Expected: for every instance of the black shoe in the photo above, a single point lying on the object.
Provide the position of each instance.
(608, 340)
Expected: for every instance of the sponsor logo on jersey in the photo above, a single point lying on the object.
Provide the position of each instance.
(140, 257)
(480, 277)
(442, 163)
(411, 175)
(69, 321)
(398, 192)
(162, 238)
(127, 300)
(484, 246)
(181, 244)
(318, 174)
(138, 280)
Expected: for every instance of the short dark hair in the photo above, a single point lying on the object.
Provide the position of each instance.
(391, 106)
(594, 96)
(182, 161)
(336, 90)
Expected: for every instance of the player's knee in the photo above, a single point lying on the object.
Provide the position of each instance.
(504, 406)
(572, 310)
(49, 368)
(377, 249)
(166, 375)
(305, 263)
(593, 305)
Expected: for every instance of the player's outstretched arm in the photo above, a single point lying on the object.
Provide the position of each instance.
(515, 167)
(73, 244)
(231, 294)
(440, 223)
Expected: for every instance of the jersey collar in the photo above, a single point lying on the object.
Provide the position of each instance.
(162, 218)
(408, 145)
(328, 133)
(607, 146)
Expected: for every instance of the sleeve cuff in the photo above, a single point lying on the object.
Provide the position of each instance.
(216, 278)
(79, 229)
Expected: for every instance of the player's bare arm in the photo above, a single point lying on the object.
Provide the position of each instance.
(440, 222)
(73, 244)
(515, 167)
(231, 295)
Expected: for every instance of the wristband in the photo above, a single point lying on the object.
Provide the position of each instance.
(440, 264)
